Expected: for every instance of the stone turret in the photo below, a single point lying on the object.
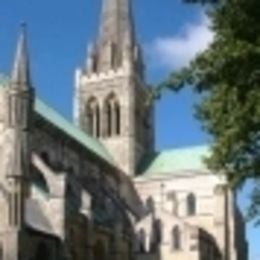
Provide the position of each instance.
(20, 89)
(19, 102)
(110, 95)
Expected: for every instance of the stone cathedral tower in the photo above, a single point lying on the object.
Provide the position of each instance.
(110, 96)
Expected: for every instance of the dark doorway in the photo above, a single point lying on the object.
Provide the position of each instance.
(99, 251)
(42, 252)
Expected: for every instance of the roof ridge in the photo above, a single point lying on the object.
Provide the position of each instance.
(182, 148)
(60, 121)
(175, 160)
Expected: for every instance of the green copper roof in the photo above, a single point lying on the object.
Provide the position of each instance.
(64, 125)
(172, 161)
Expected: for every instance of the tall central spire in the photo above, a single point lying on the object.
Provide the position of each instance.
(111, 89)
(115, 45)
(116, 23)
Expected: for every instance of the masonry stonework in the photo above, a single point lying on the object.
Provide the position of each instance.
(97, 189)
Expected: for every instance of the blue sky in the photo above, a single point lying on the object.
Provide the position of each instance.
(171, 33)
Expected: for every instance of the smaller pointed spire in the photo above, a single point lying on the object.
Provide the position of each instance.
(21, 71)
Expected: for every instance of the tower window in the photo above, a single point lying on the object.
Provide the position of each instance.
(117, 114)
(93, 117)
(191, 205)
(112, 116)
(108, 111)
(97, 123)
(142, 239)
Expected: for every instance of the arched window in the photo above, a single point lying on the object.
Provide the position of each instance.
(97, 112)
(108, 119)
(93, 117)
(118, 118)
(176, 238)
(112, 116)
(191, 205)
(142, 239)
(150, 205)
(157, 235)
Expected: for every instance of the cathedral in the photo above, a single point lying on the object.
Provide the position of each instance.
(96, 188)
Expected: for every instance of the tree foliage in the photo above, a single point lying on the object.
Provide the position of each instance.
(227, 75)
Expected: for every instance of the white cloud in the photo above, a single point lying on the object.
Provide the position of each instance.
(173, 52)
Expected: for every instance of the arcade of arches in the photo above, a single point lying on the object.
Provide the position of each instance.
(104, 121)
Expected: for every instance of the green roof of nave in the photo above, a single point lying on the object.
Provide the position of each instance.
(160, 163)
(174, 161)
(52, 116)
(70, 129)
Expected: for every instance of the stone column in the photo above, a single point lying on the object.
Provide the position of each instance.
(11, 245)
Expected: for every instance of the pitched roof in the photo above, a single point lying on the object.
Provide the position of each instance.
(56, 119)
(174, 161)
(67, 127)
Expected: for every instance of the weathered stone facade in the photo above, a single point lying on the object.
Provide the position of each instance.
(98, 190)
(203, 209)
(113, 80)
(62, 197)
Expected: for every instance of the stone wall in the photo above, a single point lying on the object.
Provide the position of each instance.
(216, 211)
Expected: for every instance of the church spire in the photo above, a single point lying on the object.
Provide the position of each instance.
(21, 72)
(116, 23)
(111, 88)
(116, 45)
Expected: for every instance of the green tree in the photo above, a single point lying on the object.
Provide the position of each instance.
(227, 75)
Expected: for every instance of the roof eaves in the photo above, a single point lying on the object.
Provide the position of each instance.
(75, 133)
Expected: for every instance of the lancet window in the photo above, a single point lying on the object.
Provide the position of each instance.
(112, 117)
(93, 117)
